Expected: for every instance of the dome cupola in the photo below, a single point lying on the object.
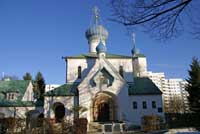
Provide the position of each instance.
(95, 32)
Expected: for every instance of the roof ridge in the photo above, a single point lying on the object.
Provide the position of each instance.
(94, 55)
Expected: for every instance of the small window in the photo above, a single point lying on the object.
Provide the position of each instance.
(9, 96)
(134, 105)
(12, 97)
(121, 71)
(153, 104)
(144, 105)
(160, 110)
(79, 72)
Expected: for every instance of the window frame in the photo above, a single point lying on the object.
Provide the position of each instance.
(79, 72)
(135, 106)
(121, 71)
(144, 104)
(153, 104)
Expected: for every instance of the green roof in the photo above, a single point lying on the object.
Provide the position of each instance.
(143, 85)
(18, 86)
(18, 103)
(94, 55)
(68, 89)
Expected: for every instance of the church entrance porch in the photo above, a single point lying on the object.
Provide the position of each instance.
(104, 107)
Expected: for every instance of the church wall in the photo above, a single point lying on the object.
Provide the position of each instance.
(127, 67)
(72, 68)
(136, 115)
(122, 103)
(18, 112)
(67, 101)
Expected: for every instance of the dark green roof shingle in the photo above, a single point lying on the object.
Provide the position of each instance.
(18, 86)
(68, 89)
(143, 86)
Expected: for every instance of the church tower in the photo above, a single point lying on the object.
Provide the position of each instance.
(95, 32)
(139, 61)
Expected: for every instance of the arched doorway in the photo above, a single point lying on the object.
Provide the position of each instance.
(59, 111)
(104, 108)
(103, 112)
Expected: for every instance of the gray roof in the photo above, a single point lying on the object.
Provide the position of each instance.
(143, 86)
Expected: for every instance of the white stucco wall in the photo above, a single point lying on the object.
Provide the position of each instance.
(87, 64)
(67, 101)
(136, 114)
(72, 68)
(127, 67)
(20, 111)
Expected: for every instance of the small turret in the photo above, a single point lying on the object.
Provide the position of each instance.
(139, 61)
(101, 50)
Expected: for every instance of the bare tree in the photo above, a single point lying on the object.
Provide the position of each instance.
(163, 19)
(10, 77)
(176, 105)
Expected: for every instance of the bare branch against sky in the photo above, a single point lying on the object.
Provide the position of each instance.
(162, 19)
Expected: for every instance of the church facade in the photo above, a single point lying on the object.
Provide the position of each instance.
(109, 87)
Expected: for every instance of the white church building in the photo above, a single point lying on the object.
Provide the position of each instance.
(111, 87)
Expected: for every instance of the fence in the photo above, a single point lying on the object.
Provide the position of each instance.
(41, 126)
(176, 120)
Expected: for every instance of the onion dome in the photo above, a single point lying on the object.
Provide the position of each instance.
(135, 51)
(96, 31)
(101, 48)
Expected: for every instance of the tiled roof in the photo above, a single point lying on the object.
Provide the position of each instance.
(143, 86)
(68, 89)
(94, 55)
(18, 86)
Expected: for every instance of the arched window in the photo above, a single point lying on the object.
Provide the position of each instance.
(121, 71)
(79, 72)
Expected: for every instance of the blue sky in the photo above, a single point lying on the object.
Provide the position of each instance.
(35, 34)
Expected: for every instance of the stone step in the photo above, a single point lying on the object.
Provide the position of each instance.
(94, 127)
